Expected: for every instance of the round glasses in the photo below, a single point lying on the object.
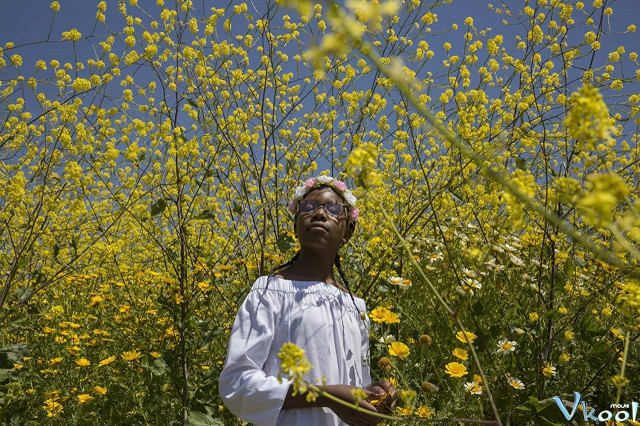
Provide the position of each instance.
(310, 206)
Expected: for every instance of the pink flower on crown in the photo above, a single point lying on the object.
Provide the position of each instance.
(309, 183)
(354, 213)
(339, 185)
(292, 206)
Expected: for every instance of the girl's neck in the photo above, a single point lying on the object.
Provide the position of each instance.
(312, 268)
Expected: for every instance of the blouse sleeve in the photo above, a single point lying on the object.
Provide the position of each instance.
(243, 385)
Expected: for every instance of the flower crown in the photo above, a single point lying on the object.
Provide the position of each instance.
(312, 183)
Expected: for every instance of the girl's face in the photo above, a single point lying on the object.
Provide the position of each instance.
(320, 229)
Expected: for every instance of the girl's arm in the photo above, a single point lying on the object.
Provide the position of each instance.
(244, 387)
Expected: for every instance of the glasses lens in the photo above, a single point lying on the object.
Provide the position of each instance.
(334, 209)
(307, 207)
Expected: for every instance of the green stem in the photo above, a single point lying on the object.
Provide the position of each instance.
(624, 364)
(395, 418)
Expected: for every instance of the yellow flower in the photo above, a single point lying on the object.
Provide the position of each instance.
(564, 358)
(18, 366)
(548, 370)
(72, 34)
(361, 165)
(294, 364)
(106, 361)
(52, 407)
(461, 336)
(83, 362)
(455, 369)
(131, 355)
(424, 411)
(460, 353)
(99, 390)
(85, 397)
(398, 349)
(16, 60)
(55, 6)
(155, 355)
(588, 121)
(205, 285)
(384, 315)
(533, 316)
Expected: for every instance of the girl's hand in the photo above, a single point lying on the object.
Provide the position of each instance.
(348, 414)
(384, 396)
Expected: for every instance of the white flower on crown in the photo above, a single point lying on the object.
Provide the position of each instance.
(324, 179)
(349, 198)
(300, 192)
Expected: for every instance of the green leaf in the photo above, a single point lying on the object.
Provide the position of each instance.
(590, 325)
(237, 208)
(13, 354)
(521, 164)
(285, 242)
(5, 375)
(209, 336)
(197, 418)
(158, 207)
(477, 308)
(205, 215)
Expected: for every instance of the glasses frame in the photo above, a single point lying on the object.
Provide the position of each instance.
(345, 207)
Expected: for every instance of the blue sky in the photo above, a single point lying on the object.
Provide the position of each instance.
(29, 21)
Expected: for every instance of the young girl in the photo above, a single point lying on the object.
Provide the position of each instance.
(306, 305)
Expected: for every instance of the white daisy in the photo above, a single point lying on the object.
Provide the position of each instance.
(505, 346)
(473, 387)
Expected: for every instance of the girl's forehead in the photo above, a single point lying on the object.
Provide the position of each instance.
(323, 194)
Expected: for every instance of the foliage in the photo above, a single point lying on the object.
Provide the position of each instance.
(147, 176)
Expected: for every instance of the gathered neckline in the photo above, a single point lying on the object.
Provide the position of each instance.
(314, 282)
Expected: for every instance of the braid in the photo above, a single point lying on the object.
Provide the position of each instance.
(346, 282)
(284, 265)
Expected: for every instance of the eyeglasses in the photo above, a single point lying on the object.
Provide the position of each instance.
(310, 206)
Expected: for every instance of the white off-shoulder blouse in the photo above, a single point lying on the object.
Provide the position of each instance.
(317, 317)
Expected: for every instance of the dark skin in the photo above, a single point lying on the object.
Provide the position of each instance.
(321, 235)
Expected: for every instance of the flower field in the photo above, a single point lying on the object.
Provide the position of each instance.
(147, 163)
